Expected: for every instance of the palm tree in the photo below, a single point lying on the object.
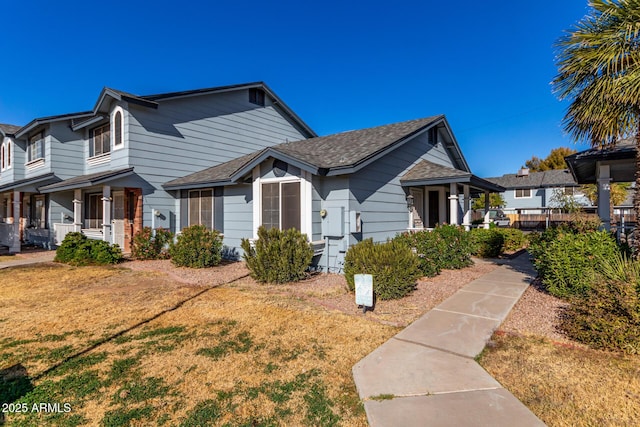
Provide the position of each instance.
(599, 72)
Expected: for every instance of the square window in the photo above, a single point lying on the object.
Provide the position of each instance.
(100, 140)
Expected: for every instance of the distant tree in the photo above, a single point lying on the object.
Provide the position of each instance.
(555, 160)
(495, 201)
(617, 193)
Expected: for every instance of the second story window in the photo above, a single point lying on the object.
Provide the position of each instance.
(35, 147)
(100, 141)
(117, 129)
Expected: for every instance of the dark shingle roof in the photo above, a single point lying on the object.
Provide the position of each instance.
(338, 151)
(215, 174)
(583, 164)
(9, 129)
(347, 149)
(86, 180)
(546, 179)
(429, 170)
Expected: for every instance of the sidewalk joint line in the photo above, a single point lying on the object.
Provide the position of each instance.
(484, 293)
(467, 391)
(444, 350)
(467, 314)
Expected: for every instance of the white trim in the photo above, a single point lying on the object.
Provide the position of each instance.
(515, 193)
(117, 109)
(34, 164)
(257, 200)
(99, 159)
(306, 214)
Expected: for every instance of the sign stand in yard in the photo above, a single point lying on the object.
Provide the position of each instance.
(364, 291)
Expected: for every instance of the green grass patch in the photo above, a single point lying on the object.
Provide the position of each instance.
(80, 363)
(203, 414)
(140, 390)
(123, 417)
(242, 343)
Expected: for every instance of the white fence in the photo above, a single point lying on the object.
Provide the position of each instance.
(61, 230)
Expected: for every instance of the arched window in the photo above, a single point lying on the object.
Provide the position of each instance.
(8, 154)
(117, 129)
(2, 158)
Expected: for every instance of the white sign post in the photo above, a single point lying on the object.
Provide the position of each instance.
(364, 290)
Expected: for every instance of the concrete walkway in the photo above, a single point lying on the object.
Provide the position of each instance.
(427, 376)
(34, 258)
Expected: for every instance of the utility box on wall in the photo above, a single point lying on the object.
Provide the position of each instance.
(333, 222)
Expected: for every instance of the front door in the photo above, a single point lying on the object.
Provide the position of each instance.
(417, 213)
(118, 221)
(434, 208)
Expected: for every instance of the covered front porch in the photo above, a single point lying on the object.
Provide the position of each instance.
(23, 214)
(439, 194)
(99, 206)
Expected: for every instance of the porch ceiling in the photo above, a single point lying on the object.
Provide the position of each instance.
(621, 160)
(429, 173)
(86, 180)
(29, 184)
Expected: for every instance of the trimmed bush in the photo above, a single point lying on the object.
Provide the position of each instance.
(197, 247)
(514, 239)
(446, 247)
(279, 256)
(608, 316)
(394, 266)
(146, 246)
(487, 243)
(569, 262)
(77, 249)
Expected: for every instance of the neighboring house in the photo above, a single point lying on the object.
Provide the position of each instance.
(101, 171)
(340, 188)
(532, 192)
(603, 166)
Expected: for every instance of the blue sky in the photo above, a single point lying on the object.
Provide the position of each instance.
(341, 65)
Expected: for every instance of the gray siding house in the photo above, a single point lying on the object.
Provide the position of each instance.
(339, 189)
(101, 171)
(533, 192)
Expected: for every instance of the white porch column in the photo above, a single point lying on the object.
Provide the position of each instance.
(486, 210)
(106, 213)
(453, 203)
(77, 210)
(442, 214)
(15, 239)
(604, 195)
(466, 206)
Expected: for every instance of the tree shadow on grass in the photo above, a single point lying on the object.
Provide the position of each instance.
(14, 384)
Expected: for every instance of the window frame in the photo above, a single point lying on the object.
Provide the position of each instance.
(281, 200)
(33, 142)
(92, 146)
(199, 198)
(523, 196)
(117, 129)
(37, 221)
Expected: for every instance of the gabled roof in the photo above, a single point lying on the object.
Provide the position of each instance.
(8, 129)
(30, 183)
(336, 154)
(545, 179)
(50, 119)
(583, 165)
(152, 101)
(429, 173)
(86, 180)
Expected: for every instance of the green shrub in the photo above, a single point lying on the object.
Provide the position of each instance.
(196, 247)
(394, 266)
(446, 247)
(568, 264)
(608, 316)
(77, 249)
(487, 243)
(279, 256)
(514, 239)
(146, 245)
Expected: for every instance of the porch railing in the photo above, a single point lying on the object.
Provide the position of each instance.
(38, 236)
(6, 234)
(61, 230)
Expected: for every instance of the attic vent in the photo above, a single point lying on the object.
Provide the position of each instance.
(523, 172)
(433, 136)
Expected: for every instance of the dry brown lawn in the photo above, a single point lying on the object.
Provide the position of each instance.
(236, 355)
